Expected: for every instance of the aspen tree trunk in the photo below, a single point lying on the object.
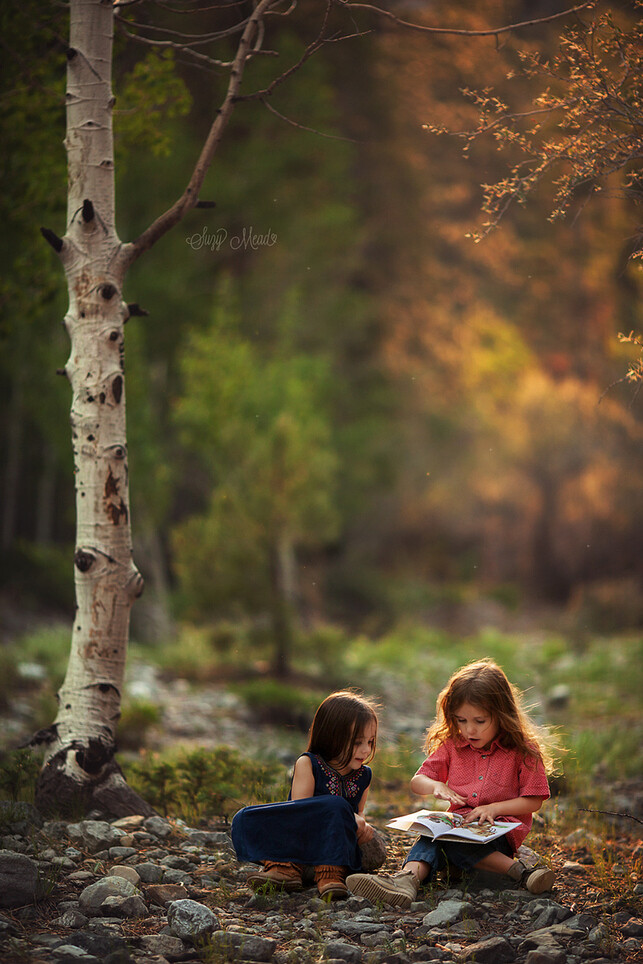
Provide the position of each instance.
(80, 771)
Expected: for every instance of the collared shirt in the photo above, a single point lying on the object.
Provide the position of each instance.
(488, 776)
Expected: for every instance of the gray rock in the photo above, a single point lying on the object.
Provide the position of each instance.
(19, 879)
(94, 835)
(448, 912)
(190, 921)
(129, 873)
(93, 897)
(355, 928)
(71, 918)
(546, 917)
(177, 863)
(158, 827)
(177, 877)
(581, 922)
(233, 945)
(101, 945)
(204, 838)
(163, 944)
(149, 873)
(633, 928)
(547, 956)
(69, 954)
(121, 853)
(117, 906)
(492, 950)
(340, 951)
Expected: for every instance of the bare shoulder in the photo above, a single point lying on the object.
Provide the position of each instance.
(303, 766)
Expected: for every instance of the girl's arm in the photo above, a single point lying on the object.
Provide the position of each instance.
(303, 781)
(423, 786)
(504, 808)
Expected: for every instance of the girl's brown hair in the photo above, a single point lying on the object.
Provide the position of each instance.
(339, 720)
(484, 684)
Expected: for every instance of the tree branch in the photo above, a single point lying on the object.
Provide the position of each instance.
(130, 252)
(611, 813)
(351, 5)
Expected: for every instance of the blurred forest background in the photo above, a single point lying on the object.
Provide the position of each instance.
(361, 421)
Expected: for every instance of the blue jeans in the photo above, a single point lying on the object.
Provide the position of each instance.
(462, 855)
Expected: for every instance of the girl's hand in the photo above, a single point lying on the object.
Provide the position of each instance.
(481, 815)
(364, 830)
(443, 792)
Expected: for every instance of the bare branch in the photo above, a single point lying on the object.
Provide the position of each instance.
(611, 813)
(379, 11)
(130, 252)
(301, 127)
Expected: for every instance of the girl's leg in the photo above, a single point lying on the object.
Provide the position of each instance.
(418, 867)
(496, 862)
(535, 881)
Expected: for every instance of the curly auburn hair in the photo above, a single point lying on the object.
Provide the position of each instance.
(483, 683)
(340, 719)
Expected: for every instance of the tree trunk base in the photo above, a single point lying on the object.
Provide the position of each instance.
(66, 792)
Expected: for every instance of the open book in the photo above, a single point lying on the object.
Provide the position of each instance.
(449, 826)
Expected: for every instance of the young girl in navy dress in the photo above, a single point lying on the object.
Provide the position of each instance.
(488, 761)
(322, 824)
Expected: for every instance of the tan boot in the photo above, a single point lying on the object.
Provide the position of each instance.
(330, 881)
(535, 881)
(399, 890)
(284, 876)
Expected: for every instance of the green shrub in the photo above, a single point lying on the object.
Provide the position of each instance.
(19, 771)
(201, 783)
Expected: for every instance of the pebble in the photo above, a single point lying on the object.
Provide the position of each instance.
(166, 899)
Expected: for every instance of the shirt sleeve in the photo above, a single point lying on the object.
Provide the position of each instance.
(533, 779)
(436, 767)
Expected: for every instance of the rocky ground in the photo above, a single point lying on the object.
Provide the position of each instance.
(150, 891)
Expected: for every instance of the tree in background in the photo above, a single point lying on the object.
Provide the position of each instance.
(258, 429)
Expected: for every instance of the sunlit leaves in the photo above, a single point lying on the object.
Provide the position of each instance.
(585, 125)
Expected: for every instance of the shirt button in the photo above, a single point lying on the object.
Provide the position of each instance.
(480, 778)
(474, 794)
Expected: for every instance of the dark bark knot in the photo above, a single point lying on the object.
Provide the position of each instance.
(114, 505)
(117, 388)
(84, 560)
(88, 211)
(108, 291)
(94, 756)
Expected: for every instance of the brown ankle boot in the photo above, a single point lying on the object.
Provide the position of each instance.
(330, 881)
(285, 876)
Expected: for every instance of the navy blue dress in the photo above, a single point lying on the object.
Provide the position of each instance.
(318, 830)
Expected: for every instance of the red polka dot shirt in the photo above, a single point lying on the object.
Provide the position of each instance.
(488, 776)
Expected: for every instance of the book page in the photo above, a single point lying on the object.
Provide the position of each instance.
(448, 826)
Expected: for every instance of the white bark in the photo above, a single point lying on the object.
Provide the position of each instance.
(81, 742)
(79, 766)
